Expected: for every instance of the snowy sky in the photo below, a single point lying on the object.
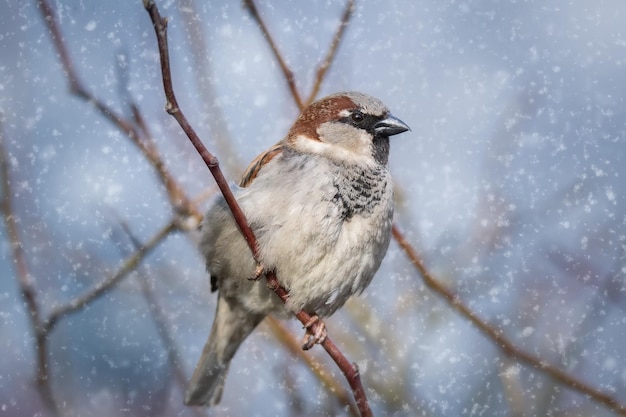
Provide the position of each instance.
(511, 184)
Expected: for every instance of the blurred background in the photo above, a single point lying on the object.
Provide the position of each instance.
(510, 187)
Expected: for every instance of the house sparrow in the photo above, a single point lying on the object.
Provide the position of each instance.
(320, 203)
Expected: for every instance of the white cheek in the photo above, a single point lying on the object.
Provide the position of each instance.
(360, 153)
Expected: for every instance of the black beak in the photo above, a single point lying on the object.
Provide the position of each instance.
(390, 126)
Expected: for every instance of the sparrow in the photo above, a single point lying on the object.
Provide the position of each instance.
(320, 203)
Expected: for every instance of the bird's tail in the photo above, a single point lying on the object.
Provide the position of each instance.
(232, 324)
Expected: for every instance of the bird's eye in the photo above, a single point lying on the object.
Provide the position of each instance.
(357, 117)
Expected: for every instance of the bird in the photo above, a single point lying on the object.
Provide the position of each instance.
(320, 203)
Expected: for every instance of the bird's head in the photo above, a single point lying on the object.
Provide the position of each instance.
(348, 128)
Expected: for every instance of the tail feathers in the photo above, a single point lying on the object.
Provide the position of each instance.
(207, 382)
(232, 324)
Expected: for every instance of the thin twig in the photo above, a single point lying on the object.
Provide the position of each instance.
(203, 73)
(25, 281)
(144, 144)
(155, 310)
(109, 283)
(57, 38)
(350, 370)
(280, 331)
(76, 86)
(171, 106)
(332, 51)
(322, 69)
(506, 346)
(160, 319)
(289, 77)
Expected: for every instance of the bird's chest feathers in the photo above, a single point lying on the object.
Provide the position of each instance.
(360, 192)
(330, 234)
(340, 210)
(364, 203)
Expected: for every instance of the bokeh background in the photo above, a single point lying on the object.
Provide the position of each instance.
(510, 186)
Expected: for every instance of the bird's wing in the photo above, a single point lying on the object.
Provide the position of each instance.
(257, 164)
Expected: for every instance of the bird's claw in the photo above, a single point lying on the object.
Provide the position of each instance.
(317, 336)
(259, 271)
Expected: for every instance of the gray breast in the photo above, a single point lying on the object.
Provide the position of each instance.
(358, 191)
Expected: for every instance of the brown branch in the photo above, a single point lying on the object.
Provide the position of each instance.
(332, 386)
(332, 51)
(171, 106)
(76, 86)
(160, 25)
(507, 347)
(203, 73)
(156, 312)
(289, 77)
(350, 370)
(322, 69)
(160, 319)
(144, 143)
(59, 44)
(109, 283)
(25, 281)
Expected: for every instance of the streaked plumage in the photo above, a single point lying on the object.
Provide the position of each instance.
(320, 203)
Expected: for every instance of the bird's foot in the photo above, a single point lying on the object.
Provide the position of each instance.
(259, 271)
(315, 332)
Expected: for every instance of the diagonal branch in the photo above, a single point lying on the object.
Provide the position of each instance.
(109, 283)
(160, 318)
(332, 386)
(323, 67)
(144, 142)
(332, 51)
(59, 44)
(76, 86)
(289, 77)
(171, 106)
(25, 281)
(505, 345)
(160, 25)
(203, 72)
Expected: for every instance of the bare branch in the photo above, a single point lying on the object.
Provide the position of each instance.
(145, 144)
(507, 347)
(282, 333)
(160, 319)
(218, 127)
(289, 77)
(59, 44)
(171, 106)
(332, 51)
(109, 283)
(160, 25)
(25, 281)
(350, 370)
(76, 86)
(324, 65)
